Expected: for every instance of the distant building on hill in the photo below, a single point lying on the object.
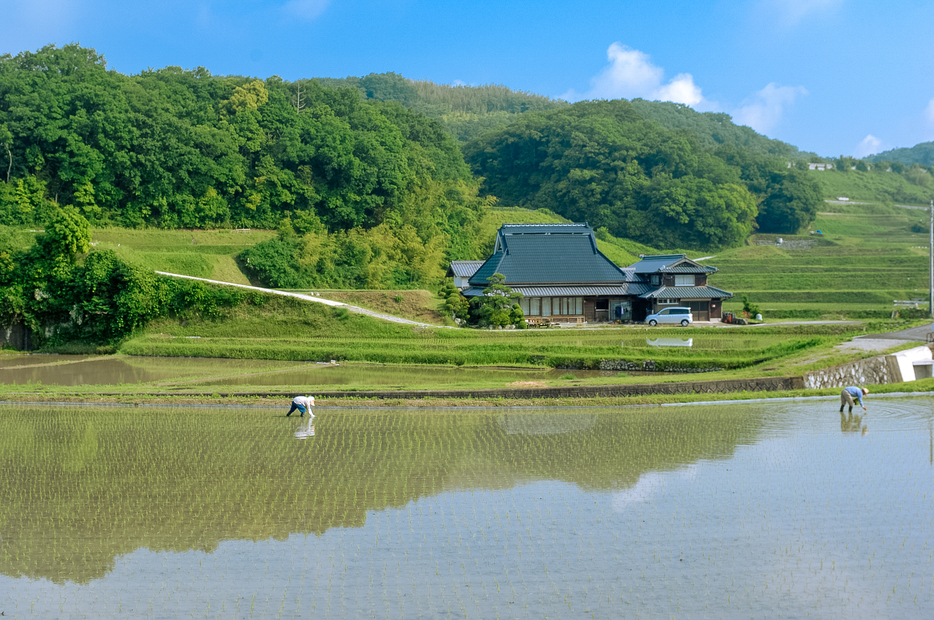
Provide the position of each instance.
(564, 277)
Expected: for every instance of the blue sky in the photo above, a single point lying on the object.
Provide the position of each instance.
(831, 76)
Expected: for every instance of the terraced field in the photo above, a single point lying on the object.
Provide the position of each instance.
(867, 257)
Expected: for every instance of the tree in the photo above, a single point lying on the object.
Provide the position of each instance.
(67, 234)
(790, 206)
(6, 140)
(454, 303)
(495, 308)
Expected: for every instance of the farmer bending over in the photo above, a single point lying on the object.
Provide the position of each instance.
(850, 393)
(305, 403)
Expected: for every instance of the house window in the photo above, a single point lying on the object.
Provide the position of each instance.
(662, 302)
(656, 280)
(535, 306)
(546, 306)
(579, 305)
(524, 304)
(687, 280)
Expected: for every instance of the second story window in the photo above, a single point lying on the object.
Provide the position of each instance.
(687, 280)
(656, 280)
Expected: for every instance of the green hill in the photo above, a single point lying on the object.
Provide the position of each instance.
(713, 129)
(874, 186)
(922, 153)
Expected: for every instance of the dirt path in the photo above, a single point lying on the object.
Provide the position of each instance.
(312, 298)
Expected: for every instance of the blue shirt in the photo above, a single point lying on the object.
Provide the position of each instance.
(856, 393)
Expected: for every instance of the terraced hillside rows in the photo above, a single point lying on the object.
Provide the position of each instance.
(867, 257)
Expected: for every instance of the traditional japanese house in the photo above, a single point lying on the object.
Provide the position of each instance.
(563, 277)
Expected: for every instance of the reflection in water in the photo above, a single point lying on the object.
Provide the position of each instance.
(546, 423)
(307, 429)
(690, 511)
(670, 342)
(115, 370)
(850, 423)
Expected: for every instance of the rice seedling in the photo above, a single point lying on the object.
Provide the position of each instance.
(530, 512)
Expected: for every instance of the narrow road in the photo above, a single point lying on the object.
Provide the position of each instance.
(914, 334)
(312, 298)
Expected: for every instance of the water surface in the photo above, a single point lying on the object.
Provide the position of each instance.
(775, 510)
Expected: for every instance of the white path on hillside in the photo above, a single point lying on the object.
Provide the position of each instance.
(317, 300)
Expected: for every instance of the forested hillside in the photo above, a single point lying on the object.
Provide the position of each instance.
(713, 129)
(364, 177)
(465, 111)
(922, 153)
(375, 183)
(605, 163)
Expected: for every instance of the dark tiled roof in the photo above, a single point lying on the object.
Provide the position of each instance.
(657, 262)
(548, 254)
(544, 229)
(687, 292)
(630, 274)
(670, 263)
(464, 268)
(689, 268)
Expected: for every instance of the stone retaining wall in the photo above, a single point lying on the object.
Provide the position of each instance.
(894, 368)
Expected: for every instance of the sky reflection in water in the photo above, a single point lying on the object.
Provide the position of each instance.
(726, 511)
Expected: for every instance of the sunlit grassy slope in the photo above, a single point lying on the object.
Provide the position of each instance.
(867, 257)
(870, 186)
(199, 253)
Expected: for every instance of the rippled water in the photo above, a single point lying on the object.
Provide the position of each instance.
(777, 510)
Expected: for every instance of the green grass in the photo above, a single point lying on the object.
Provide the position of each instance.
(867, 257)
(199, 253)
(285, 329)
(870, 186)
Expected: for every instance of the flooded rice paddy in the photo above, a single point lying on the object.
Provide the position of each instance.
(198, 373)
(782, 509)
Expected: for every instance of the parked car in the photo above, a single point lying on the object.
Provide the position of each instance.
(671, 316)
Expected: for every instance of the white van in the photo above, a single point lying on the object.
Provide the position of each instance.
(671, 316)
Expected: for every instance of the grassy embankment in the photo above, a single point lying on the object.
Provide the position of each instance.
(200, 253)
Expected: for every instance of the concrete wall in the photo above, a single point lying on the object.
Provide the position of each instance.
(15, 336)
(894, 368)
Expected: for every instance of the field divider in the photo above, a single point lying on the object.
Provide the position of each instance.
(763, 384)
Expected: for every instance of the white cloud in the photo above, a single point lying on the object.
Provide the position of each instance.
(681, 89)
(306, 9)
(764, 110)
(869, 146)
(791, 12)
(631, 74)
(648, 485)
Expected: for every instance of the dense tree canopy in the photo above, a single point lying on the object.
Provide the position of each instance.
(605, 163)
(175, 148)
(922, 153)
